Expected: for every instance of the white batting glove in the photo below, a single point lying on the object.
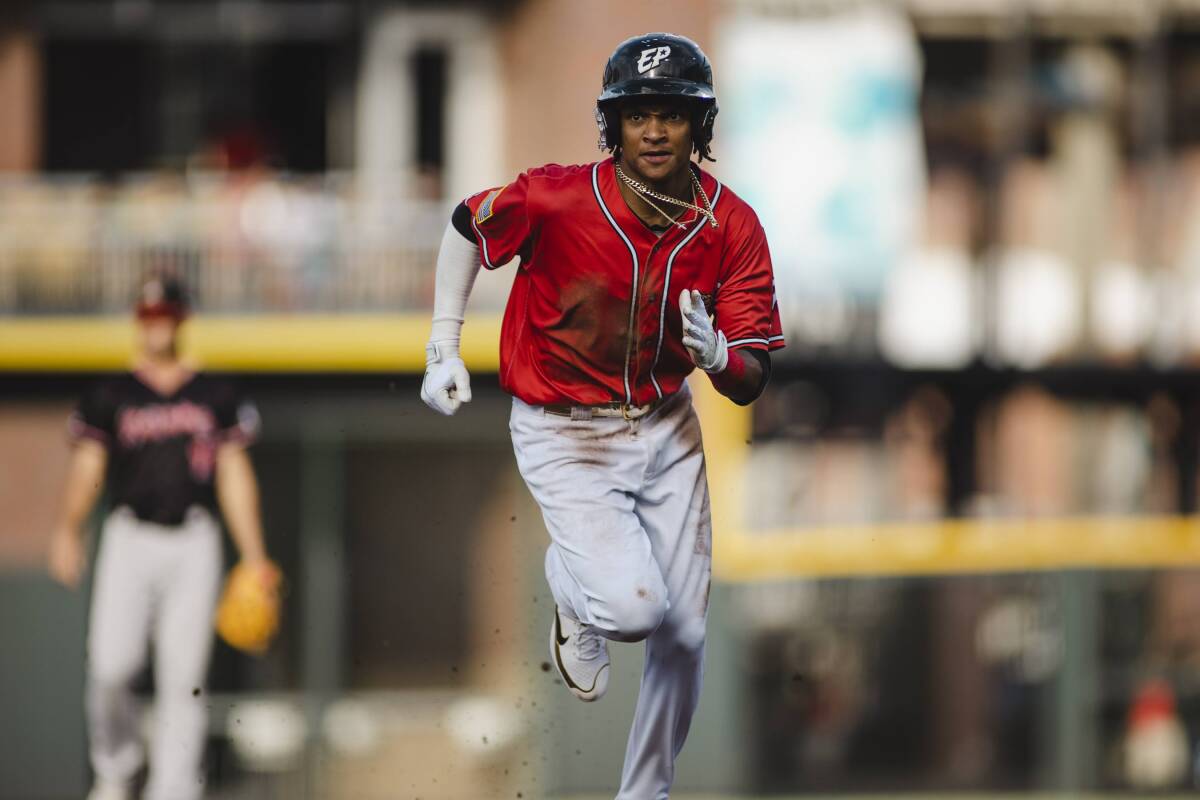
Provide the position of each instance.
(707, 346)
(447, 383)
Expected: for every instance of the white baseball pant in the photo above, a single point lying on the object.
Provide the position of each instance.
(158, 582)
(626, 506)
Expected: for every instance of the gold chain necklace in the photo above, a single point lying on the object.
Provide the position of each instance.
(646, 192)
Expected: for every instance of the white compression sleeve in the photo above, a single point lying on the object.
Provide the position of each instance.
(457, 266)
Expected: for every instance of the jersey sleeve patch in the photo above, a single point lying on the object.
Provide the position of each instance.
(500, 221)
(486, 207)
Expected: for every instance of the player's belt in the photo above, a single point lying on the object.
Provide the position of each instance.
(607, 410)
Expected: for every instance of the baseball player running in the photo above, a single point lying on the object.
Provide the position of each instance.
(170, 444)
(634, 271)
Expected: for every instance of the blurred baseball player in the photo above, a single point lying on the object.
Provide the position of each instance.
(170, 444)
(634, 271)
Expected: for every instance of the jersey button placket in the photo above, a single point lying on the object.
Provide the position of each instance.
(645, 341)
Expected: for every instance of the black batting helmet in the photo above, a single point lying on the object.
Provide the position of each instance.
(658, 65)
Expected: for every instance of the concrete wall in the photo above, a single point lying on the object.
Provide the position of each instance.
(20, 102)
(33, 468)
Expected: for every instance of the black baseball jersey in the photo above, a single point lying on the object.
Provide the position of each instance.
(162, 449)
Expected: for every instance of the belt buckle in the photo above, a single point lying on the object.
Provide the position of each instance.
(625, 413)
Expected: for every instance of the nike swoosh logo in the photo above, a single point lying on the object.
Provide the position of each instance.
(562, 670)
(560, 640)
(558, 637)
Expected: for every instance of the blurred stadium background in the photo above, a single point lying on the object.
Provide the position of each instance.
(955, 550)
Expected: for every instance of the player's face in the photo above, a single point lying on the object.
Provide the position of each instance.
(157, 336)
(656, 138)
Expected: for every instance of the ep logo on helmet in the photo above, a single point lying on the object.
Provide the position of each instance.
(652, 58)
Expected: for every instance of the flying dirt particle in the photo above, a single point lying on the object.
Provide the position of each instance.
(196, 692)
(545, 666)
(513, 518)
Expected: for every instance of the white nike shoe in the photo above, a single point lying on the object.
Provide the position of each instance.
(581, 657)
(108, 791)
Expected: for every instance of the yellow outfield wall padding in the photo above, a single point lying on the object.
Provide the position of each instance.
(936, 547)
(961, 546)
(396, 344)
(250, 343)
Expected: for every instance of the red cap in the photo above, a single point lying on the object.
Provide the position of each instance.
(161, 297)
(1154, 701)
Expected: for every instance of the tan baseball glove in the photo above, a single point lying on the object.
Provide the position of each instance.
(248, 613)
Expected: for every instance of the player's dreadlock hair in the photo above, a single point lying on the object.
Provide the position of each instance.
(703, 122)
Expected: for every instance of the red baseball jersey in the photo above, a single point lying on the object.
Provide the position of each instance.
(593, 316)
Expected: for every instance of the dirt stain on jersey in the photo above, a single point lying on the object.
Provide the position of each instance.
(594, 322)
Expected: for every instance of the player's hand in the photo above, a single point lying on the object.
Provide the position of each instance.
(268, 571)
(67, 558)
(707, 346)
(447, 383)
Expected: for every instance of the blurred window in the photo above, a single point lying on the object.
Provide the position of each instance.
(126, 105)
(429, 77)
(99, 105)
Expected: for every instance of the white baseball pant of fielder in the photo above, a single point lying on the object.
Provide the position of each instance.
(160, 583)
